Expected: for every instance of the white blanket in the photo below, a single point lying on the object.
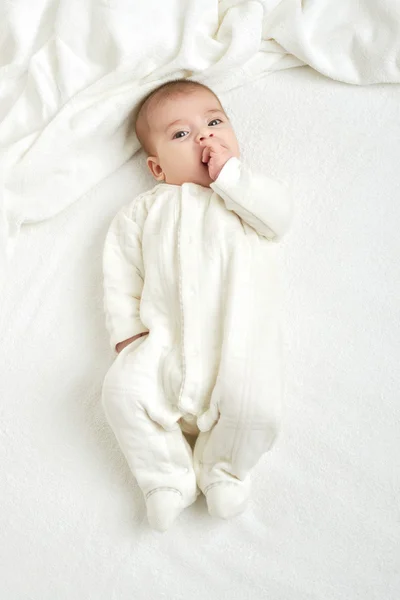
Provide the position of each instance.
(73, 69)
(324, 522)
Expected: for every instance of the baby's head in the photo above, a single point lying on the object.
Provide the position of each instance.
(171, 121)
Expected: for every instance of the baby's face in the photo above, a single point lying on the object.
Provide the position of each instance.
(177, 126)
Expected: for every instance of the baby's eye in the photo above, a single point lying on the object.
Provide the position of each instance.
(213, 121)
(176, 136)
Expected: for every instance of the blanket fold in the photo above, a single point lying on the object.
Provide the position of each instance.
(72, 71)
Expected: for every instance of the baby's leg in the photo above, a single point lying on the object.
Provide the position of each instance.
(145, 425)
(239, 427)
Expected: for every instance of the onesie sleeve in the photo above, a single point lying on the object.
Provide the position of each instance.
(123, 274)
(261, 202)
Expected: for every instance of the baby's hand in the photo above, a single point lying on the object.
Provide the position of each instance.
(215, 154)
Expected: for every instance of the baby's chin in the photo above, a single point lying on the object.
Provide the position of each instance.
(204, 180)
(201, 177)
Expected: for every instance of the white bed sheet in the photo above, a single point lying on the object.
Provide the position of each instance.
(324, 517)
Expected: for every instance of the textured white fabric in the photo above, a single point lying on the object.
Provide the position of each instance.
(355, 42)
(167, 231)
(226, 500)
(72, 70)
(323, 518)
(75, 69)
(198, 269)
(163, 507)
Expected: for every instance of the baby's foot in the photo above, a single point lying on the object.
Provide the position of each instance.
(227, 500)
(163, 506)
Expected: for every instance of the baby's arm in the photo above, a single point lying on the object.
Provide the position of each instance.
(123, 279)
(261, 202)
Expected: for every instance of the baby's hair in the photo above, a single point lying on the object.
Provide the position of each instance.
(139, 119)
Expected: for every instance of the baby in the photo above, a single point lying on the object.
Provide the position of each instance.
(192, 303)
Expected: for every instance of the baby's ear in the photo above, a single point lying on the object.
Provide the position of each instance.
(155, 168)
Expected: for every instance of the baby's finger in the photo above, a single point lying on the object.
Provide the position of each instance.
(209, 142)
(214, 142)
(205, 157)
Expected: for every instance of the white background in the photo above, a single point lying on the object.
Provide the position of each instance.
(324, 518)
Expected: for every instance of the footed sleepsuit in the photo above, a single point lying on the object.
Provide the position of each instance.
(197, 268)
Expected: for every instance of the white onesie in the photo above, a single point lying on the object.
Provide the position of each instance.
(198, 269)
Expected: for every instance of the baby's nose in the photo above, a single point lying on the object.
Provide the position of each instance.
(202, 136)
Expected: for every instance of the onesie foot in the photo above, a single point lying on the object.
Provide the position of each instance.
(163, 506)
(227, 500)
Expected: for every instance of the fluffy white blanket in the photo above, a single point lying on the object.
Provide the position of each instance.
(72, 70)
